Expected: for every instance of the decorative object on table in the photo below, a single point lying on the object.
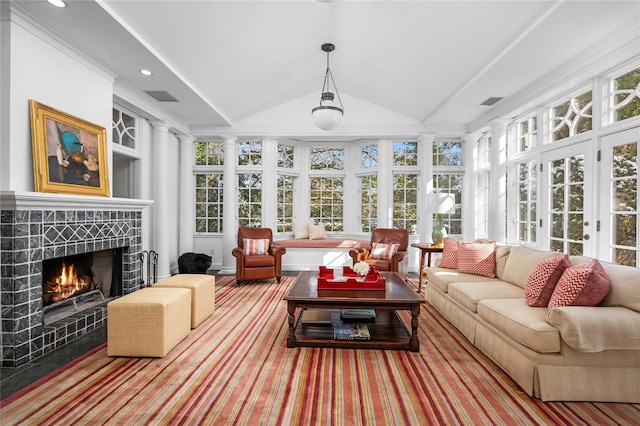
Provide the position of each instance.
(328, 114)
(440, 203)
(349, 280)
(361, 268)
(69, 153)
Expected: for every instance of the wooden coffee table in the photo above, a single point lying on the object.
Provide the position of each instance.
(388, 330)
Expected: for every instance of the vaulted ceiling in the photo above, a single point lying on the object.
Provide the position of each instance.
(430, 62)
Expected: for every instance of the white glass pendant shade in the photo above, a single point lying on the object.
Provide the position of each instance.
(328, 114)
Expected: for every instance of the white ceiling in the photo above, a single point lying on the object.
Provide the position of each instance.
(434, 62)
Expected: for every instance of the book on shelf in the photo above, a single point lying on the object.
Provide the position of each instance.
(317, 316)
(358, 313)
(351, 332)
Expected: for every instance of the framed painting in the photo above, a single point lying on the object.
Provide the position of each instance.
(69, 153)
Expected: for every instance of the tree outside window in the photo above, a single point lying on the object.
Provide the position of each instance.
(626, 95)
(209, 200)
(285, 203)
(327, 202)
(250, 199)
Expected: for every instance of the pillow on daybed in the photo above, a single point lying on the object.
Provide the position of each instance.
(382, 251)
(543, 278)
(300, 229)
(585, 284)
(255, 247)
(317, 232)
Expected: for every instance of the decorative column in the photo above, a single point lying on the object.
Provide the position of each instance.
(470, 188)
(425, 151)
(187, 202)
(385, 183)
(498, 183)
(161, 197)
(230, 208)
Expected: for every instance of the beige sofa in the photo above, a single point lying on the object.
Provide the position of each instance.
(564, 354)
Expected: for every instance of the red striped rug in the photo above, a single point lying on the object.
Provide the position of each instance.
(235, 368)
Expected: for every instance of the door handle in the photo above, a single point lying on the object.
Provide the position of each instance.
(586, 237)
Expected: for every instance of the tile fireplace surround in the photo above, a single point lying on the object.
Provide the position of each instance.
(37, 227)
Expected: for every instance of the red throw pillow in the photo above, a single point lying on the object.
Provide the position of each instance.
(543, 278)
(477, 259)
(382, 251)
(581, 285)
(255, 247)
(449, 254)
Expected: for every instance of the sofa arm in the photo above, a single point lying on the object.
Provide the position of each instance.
(358, 254)
(595, 329)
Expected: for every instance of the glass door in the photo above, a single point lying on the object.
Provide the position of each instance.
(618, 209)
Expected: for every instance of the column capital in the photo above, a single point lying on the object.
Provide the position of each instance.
(229, 139)
(160, 125)
(426, 137)
(186, 139)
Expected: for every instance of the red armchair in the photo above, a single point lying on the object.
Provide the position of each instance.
(257, 266)
(398, 262)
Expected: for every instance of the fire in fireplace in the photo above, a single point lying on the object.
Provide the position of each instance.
(67, 283)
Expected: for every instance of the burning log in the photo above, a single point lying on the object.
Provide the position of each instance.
(66, 285)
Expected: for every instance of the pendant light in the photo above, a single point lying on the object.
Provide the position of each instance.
(328, 114)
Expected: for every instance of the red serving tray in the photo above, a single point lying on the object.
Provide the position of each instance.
(373, 280)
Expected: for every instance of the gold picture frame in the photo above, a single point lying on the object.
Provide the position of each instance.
(69, 153)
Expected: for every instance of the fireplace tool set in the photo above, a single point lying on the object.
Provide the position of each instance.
(150, 259)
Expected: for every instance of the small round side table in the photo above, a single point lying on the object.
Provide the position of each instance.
(426, 249)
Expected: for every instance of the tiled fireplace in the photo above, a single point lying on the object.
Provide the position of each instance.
(37, 227)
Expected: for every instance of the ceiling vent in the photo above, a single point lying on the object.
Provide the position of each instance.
(491, 101)
(161, 95)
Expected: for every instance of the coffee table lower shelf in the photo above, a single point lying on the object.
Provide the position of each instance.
(387, 332)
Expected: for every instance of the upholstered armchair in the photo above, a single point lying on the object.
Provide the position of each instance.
(256, 258)
(388, 251)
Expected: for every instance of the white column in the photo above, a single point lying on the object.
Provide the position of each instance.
(385, 183)
(229, 209)
(161, 226)
(470, 189)
(425, 150)
(269, 184)
(498, 183)
(187, 202)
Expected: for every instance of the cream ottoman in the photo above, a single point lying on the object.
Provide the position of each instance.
(148, 322)
(203, 293)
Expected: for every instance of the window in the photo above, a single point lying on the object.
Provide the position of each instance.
(527, 134)
(566, 189)
(249, 153)
(405, 153)
(448, 153)
(451, 183)
(625, 93)
(209, 202)
(285, 203)
(624, 185)
(405, 202)
(571, 117)
(368, 203)
(124, 129)
(327, 158)
(209, 153)
(250, 199)
(285, 156)
(527, 194)
(327, 203)
(369, 156)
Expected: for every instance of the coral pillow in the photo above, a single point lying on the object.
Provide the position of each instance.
(543, 278)
(477, 259)
(449, 254)
(317, 232)
(581, 285)
(383, 251)
(253, 247)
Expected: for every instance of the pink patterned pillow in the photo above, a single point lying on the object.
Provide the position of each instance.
(543, 278)
(253, 247)
(449, 254)
(477, 259)
(383, 251)
(581, 285)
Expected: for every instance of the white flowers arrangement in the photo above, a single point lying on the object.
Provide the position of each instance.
(361, 268)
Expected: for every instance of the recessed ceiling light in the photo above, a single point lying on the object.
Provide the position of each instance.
(57, 3)
(146, 72)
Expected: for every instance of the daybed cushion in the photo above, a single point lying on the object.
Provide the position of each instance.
(325, 243)
(524, 324)
(522, 260)
(597, 328)
(470, 293)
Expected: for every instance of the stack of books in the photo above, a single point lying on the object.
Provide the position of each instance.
(351, 332)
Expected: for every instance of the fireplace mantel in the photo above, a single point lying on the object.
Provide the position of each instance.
(10, 200)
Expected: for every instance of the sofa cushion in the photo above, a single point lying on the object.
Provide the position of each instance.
(625, 286)
(581, 285)
(525, 324)
(383, 251)
(255, 247)
(449, 254)
(442, 277)
(595, 329)
(543, 278)
(502, 254)
(521, 261)
(477, 258)
(468, 294)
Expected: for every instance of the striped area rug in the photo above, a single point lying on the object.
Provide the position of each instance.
(235, 368)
